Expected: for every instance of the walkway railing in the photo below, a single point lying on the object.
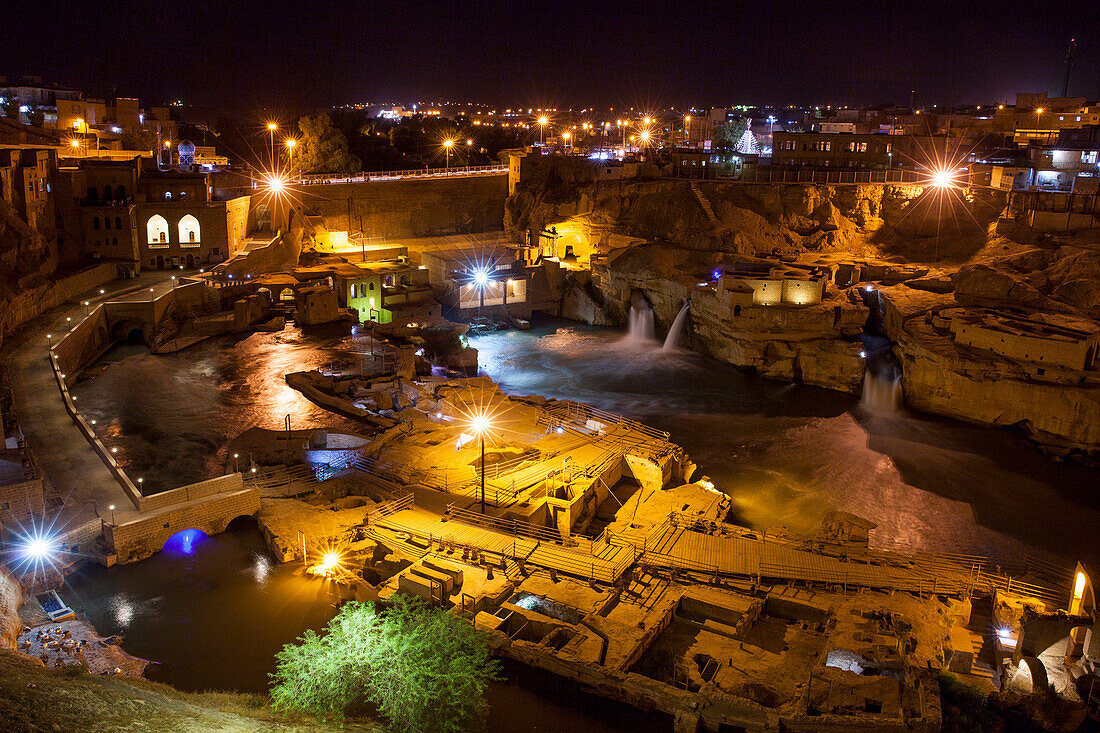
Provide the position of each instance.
(519, 527)
(363, 176)
(831, 177)
(390, 507)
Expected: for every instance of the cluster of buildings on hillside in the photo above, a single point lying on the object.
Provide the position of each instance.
(36, 113)
(134, 212)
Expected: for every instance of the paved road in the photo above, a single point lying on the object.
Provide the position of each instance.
(72, 467)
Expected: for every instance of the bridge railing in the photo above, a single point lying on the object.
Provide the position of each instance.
(310, 179)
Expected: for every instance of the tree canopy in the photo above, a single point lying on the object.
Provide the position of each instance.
(423, 668)
(322, 148)
(726, 135)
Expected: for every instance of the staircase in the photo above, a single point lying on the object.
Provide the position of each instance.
(704, 202)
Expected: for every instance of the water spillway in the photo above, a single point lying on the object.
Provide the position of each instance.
(640, 326)
(672, 340)
(882, 393)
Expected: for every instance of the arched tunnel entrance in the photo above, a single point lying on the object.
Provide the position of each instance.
(128, 331)
(183, 542)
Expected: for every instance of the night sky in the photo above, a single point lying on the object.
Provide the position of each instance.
(296, 55)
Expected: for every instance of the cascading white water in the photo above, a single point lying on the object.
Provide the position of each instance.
(882, 393)
(674, 333)
(640, 326)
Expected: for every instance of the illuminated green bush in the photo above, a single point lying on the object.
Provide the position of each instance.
(423, 668)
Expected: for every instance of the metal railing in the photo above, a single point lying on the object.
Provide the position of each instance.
(801, 175)
(310, 179)
(387, 508)
(516, 527)
(564, 411)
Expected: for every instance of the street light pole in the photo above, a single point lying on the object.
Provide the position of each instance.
(483, 472)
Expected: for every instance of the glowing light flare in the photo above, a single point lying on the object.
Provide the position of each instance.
(276, 184)
(943, 178)
(38, 548)
(480, 424)
(272, 126)
(331, 562)
(481, 277)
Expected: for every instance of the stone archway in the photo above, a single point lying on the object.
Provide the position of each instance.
(1034, 671)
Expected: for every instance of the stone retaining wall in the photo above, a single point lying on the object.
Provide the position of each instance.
(33, 302)
(192, 492)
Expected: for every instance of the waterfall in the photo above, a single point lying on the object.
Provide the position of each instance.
(674, 333)
(882, 393)
(640, 326)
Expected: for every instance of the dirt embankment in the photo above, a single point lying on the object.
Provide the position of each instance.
(34, 699)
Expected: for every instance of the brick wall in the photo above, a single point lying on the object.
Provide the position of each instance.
(20, 502)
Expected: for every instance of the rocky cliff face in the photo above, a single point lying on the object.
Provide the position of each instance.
(761, 219)
(1060, 410)
(965, 262)
(815, 345)
(10, 598)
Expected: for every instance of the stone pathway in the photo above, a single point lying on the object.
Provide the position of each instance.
(72, 467)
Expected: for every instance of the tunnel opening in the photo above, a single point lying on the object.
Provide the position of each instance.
(135, 336)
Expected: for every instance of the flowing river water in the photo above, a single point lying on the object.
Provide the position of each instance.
(214, 618)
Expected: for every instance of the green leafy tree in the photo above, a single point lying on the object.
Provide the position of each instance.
(726, 135)
(138, 138)
(323, 148)
(423, 668)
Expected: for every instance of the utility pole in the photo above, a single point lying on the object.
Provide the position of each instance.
(1069, 65)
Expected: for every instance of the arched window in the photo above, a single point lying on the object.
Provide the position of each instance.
(121, 192)
(95, 222)
(189, 230)
(370, 286)
(118, 222)
(106, 193)
(157, 229)
(106, 222)
(114, 241)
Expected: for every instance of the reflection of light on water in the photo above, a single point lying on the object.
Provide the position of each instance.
(123, 611)
(260, 569)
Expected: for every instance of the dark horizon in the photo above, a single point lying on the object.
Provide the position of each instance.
(287, 58)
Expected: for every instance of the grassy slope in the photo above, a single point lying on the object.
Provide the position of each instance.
(62, 703)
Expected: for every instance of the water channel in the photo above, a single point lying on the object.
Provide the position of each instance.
(786, 454)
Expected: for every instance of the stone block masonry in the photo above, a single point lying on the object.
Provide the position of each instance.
(141, 537)
(413, 208)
